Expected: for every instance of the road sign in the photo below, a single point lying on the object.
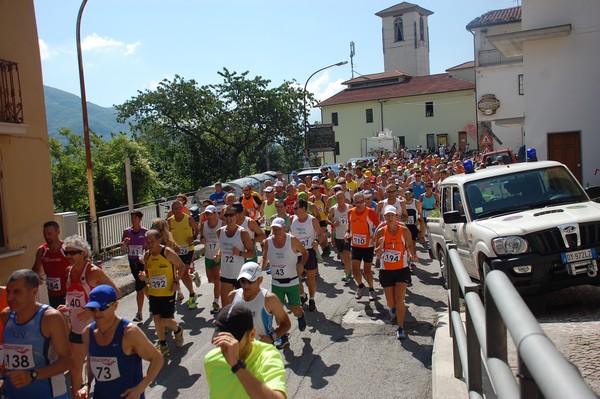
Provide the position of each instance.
(486, 140)
(485, 149)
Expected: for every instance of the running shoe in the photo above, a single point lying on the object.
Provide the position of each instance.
(179, 337)
(283, 341)
(303, 299)
(311, 305)
(180, 296)
(268, 269)
(302, 323)
(326, 251)
(400, 334)
(214, 309)
(138, 317)
(346, 278)
(164, 349)
(359, 292)
(191, 304)
(372, 295)
(196, 279)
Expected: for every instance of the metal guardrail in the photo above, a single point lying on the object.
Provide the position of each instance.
(112, 226)
(543, 370)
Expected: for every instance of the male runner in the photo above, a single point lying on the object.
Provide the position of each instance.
(51, 260)
(208, 237)
(115, 350)
(161, 271)
(134, 238)
(184, 230)
(265, 305)
(36, 348)
(286, 257)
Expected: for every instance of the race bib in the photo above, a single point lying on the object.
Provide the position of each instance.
(359, 239)
(305, 241)
(391, 256)
(18, 357)
(158, 282)
(183, 250)
(343, 221)
(268, 223)
(410, 220)
(135, 250)
(277, 270)
(211, 245)
(53, 283)
(76, 299)
(105, 368)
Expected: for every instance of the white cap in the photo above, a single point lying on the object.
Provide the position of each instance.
(211, 209)
(278, 222)
(269, 189)
(278, 183)
(390, 209)
(250, 271)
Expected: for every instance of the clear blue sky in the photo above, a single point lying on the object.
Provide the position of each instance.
(130, 45)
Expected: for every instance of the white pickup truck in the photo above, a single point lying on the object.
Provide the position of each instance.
(533, 221)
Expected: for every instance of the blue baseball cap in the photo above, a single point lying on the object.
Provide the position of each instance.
(101, 296)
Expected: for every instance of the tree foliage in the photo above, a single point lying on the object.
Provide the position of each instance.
(200, 134)
(69, 172)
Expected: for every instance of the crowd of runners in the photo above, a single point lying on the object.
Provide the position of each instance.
(368, 216)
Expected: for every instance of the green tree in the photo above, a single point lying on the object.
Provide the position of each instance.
(69, 178)
(227, 127)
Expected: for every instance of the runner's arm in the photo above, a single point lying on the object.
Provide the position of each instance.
(275, 307)
(135, 339)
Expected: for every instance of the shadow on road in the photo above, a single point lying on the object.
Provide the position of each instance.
(309, 365)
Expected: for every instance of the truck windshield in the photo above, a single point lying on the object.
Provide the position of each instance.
(511, 193)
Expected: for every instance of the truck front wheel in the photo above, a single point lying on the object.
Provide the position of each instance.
(484, 269)
(443, 265)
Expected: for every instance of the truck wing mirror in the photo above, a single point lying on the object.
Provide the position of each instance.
(453, 217)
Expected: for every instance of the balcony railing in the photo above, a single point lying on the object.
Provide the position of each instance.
(495, 57)
(11, 107)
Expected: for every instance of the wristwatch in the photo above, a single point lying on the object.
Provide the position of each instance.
(241, 364)
(33, 374)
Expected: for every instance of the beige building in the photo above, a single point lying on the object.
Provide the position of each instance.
(25, 175)
(418, 110)
(416, 107)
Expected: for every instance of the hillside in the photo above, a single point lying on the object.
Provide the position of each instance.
(64, 110)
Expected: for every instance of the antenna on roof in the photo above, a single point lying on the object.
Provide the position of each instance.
(352, 58)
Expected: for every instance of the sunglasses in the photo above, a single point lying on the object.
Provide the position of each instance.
(359, 202)
(229, 215)
(72, 252)
(101, 308)
(391, 191)
(245, 281)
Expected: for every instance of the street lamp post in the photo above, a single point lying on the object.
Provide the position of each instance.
(306, 152)
(86, 136)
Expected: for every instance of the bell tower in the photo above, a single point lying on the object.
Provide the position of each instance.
(405, 37)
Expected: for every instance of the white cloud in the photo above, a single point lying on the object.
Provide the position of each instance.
(45, 52)
(153, 85)
(94, 42)
(323, 87)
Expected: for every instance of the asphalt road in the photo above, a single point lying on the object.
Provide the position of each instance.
(349, 349)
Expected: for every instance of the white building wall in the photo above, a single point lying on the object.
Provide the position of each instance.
(404, 117)
(501, 80)
(562, 84)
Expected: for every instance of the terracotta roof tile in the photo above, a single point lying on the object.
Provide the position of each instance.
(375, 76)
(464, 65)
(412, 86)
(496, 17)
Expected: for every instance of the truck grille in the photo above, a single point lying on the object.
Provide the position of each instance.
(550, 241)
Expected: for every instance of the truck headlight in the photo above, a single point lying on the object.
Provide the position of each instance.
(510, 245)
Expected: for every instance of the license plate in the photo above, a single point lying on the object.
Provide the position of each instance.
(576, 256)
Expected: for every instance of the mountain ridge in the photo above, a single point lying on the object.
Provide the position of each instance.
(63, 110)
